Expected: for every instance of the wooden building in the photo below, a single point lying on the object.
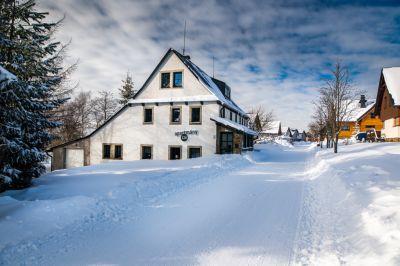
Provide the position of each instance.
(362, 118)
(388, 103)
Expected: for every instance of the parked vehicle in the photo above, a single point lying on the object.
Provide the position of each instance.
(361, 136)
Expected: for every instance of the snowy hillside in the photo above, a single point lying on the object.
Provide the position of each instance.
(276, 205)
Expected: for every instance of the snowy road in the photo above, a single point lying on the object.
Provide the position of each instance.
(279, 206)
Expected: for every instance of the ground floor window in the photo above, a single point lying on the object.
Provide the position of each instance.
(345, 128)
(106, 151)
(118, 152)
(175, 152)
(112, 151)
(194, 152)
(147, 152)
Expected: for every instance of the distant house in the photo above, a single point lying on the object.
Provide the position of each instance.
(294, 133)
(286, 132)
(362, 117)
(302, 136)
(388, 103)
(273, 130)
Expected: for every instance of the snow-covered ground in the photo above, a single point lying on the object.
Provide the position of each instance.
(280, 204)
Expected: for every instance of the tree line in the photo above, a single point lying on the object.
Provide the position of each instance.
(36, 109)
(84, 113)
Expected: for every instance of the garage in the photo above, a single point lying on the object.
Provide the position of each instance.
(74, 158)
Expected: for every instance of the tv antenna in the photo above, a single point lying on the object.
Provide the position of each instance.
(213, 65)
(184, 39)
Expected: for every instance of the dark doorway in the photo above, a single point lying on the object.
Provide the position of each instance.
(226, 142)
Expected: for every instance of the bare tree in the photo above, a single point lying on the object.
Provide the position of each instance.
(103, 107)
(75, 118)
(337, 102)
(260, 119)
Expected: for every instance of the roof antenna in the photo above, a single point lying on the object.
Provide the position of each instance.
(213, 66)
(184, 39)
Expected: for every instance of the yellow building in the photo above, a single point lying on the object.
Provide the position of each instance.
(362, 118)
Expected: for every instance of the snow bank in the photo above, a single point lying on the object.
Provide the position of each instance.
(351, 211)
(109, 191)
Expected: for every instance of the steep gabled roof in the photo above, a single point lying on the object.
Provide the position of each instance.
(204, 79)
(390, 79)
(357, 112)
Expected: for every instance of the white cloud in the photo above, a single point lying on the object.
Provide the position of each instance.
(291, 44)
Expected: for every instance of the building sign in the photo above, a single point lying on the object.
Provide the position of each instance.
(184, 134)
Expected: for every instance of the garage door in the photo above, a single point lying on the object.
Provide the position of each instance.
(73, 158)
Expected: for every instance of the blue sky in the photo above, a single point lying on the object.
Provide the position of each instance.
(272, 53)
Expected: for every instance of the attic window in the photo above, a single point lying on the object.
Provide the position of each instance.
(165, 80)
(177, 79)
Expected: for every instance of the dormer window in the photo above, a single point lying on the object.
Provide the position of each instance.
(177, 79)
(227, 92)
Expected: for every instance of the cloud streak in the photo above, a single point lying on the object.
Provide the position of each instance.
(271, 53)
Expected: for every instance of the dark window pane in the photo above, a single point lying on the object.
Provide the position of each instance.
(148, 115)
(176, 115)
(146, 152)
(165, 78)
(194, 152)
(175, 153)
(196, 115)
(106, 151)
(177, 79)
(118, 152)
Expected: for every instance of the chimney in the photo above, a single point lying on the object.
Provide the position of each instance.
(363, 101)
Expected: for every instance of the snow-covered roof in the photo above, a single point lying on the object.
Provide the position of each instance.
(234, 125)
(200, 98)
(392, 80)
(273, 128)
(6, 77)
(209, 83)
(356, 111)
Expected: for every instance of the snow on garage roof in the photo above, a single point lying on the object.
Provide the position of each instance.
(392, 80)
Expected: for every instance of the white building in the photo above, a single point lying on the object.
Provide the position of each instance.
(180, 112)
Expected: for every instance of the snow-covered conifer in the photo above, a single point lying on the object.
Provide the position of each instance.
(126, 91)
(30, 74)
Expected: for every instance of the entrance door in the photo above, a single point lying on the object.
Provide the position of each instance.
(226, 142)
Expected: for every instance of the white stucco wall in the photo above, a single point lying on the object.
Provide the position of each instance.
(191, 86)
(389, 130)
(128, 129)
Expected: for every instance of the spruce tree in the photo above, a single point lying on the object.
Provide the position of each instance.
(126, 91)
(31, 72)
